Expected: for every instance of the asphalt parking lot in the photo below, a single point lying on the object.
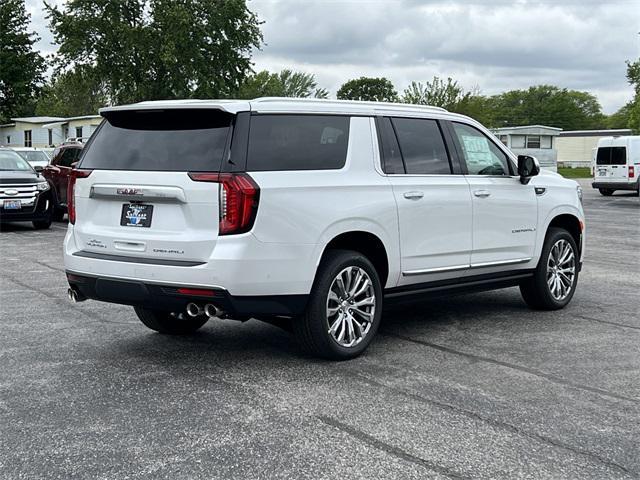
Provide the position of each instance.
(471, 386)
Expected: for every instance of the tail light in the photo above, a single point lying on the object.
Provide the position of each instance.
(632, 172)
(71, 202)
(238, 202)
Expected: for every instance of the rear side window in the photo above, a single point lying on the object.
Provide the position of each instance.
(297, 142)
(422, 146)
(68, 156)
(612, 156)
(160, 140)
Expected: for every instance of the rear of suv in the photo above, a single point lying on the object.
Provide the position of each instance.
(310, 214)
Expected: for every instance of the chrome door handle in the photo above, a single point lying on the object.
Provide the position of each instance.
(482, 193)
(413, 195)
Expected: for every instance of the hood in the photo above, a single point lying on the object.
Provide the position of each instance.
(13, 177)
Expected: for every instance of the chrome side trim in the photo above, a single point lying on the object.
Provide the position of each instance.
(454, 268)
(500, 262)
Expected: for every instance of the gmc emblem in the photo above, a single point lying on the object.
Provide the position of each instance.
(129, 191)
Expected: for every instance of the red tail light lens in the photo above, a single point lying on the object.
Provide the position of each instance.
(239, 196)
(71, 185)
(632, 172)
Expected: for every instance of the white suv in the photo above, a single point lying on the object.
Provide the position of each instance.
(310, 213)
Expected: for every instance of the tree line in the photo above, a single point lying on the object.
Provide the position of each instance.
(123, 51)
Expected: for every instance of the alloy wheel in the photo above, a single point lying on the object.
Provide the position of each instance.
(351, 304)
(561, 270)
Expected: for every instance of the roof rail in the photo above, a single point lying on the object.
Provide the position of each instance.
(76, 139)
(358, 102)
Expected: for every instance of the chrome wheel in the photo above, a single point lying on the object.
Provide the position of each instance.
(351, 304)
(561, 269)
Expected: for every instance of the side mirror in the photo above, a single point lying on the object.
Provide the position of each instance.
(74, 164)
(528, 167)
(38, 168)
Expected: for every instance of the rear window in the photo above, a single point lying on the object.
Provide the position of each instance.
(612, 156)
(297, 142)
(422, 146)
(159, 140)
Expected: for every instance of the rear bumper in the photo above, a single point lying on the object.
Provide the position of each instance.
(616, 185)
(166, 297)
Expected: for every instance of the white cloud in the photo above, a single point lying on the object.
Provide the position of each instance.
(495, 45)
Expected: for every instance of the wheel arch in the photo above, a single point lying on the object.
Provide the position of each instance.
(571, 223)
(368, 244)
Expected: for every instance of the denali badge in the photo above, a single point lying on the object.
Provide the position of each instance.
(129, 191)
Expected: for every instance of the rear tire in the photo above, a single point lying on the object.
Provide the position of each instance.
(607, 192)
(344, 309)
(58, 214)
(168, 322)
(556, 276)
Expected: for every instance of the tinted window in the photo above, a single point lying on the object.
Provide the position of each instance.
(392, 159)
(481, 155)
(297, 142)
(618, 156)
(611, 156)
(159, 140)
(67, 157)
(422, 146)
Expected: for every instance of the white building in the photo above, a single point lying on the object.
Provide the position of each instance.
(44, 132)
(536, 140)
(575, 147)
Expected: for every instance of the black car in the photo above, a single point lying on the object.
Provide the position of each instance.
(25, 195)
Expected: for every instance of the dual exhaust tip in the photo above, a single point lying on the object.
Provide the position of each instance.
(210, 310)
(75, 296)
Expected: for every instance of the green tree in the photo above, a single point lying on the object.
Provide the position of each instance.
(620, 119)
(21, 67)
(157, 49)
(287, 83)
(548, 105)
(369, 89)
(73, 93)
(633, 76)
(450, 95)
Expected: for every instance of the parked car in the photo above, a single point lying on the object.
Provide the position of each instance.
(36, 157)
(617, 165)
(57, 173)
(313, 211)
(25, 195)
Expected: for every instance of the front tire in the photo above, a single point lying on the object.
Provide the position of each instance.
(556, 276)
(606, 192)
(168, 322)
(344, 309)
(42, 224)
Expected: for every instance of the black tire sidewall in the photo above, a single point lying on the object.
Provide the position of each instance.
(316, 309)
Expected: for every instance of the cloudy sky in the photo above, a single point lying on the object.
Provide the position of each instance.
(494, 45)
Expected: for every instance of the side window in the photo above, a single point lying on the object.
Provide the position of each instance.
(67, 157)
(481, 155)
(297, 142)
(422, 146)
(391, 157)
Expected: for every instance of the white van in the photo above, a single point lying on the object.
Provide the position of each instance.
(617, 164)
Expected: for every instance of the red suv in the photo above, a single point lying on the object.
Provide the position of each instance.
(57, 174)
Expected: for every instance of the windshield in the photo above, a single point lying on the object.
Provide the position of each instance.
(11, 161)
(34, 156)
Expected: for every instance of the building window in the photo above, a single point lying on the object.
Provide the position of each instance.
(78, 132)
(504, 140)
(27, 138)
(546, 141)
(8, 139)
(517, 141)
(50, 137)
(533, 141)
(66, 132)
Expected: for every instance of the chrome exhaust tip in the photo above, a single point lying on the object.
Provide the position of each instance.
(212, 311)
(75, 296)
(194, 310)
